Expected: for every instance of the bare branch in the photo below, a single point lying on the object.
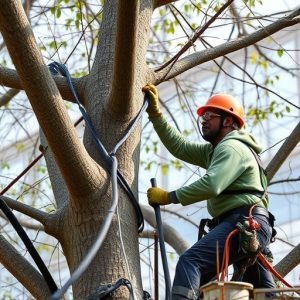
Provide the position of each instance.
(284, 151)
(180, 216)
(172, 237)
(10, 78)
(8, 96)
(284, 180)
(27, 210)
(81, 173)
(194, 38)
(203, 56)
(125, 47)
(243, 31)
(26, 224)
(20, 268)
(51, 222)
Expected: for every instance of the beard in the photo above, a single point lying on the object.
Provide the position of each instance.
(210, 135)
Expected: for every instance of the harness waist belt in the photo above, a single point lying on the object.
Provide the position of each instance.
(257, 210)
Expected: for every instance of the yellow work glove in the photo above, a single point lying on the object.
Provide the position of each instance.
(153, 108)
(158, 196)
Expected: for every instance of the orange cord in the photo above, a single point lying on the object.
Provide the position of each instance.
(254, 225)
(273, 271)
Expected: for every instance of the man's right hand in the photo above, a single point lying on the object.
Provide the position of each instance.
(153, 108)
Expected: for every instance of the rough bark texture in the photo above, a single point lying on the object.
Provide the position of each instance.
(80, 182)
(24, 272)
(289, 262)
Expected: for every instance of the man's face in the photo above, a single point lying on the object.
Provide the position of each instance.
(210, 121)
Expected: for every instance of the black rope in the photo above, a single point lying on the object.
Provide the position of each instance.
(27, 242)
(61, 69)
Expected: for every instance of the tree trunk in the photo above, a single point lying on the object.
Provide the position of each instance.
(81, 222)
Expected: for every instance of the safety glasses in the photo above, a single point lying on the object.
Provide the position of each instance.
(207, 116)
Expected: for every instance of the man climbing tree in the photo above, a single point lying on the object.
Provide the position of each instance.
(110, 91)
(232, 184)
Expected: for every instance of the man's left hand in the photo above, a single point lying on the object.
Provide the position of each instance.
(158, 196)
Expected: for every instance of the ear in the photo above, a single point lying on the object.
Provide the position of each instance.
(228, 121)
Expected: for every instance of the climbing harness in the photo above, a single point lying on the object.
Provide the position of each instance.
(162, 247)
(249, 245)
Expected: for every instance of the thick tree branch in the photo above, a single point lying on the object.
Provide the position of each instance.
(284, 151)
(289, 262)
(27, 210)
(81, 173)
(51, 222)
(200, 57)
(24, 272)
(172, 237)
(10, 78)
(125, 55)
(26, 224)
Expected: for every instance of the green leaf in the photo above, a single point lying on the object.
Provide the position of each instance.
(162, 12)
(5, 165)
(280, 52)
(186, 8)
(58, 12)
(20, 147)
(52, 45)
(53, 10)
(164, 169)
(41, 169)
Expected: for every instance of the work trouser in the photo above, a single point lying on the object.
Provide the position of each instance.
(197, 266)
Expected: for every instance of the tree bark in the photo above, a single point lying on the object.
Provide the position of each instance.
(288, 263)
(32, 280)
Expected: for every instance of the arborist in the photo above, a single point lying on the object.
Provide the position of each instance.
(232, 184)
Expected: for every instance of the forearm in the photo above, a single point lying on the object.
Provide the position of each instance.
(177, 145)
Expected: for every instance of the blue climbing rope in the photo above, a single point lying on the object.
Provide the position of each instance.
(116, 177)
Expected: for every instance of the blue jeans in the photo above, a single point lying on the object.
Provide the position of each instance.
(197, 266)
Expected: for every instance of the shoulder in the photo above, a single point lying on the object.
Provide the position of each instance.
(233, 148)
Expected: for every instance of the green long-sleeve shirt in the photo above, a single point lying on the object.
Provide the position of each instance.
(230, 166)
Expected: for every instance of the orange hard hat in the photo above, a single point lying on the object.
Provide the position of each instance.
(226, 103)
